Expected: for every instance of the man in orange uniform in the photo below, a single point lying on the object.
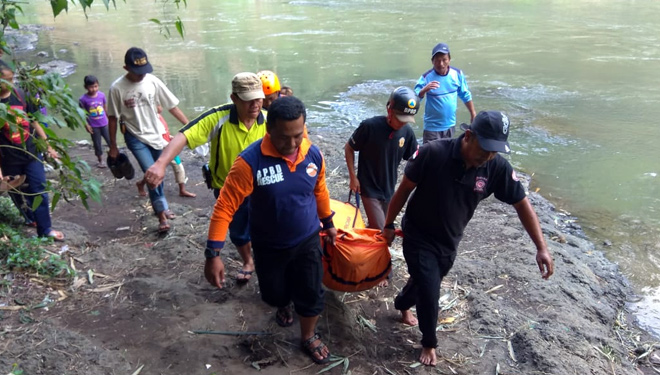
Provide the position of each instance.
(284, 176)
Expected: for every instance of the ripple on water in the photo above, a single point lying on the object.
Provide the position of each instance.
(355, 104)
(647, 310)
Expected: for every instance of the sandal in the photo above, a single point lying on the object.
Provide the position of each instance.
(247, 275)
(284, 316)
(163, 225)
(169, 214)
(310, 351)
(56, 235)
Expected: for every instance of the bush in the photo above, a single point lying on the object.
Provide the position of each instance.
(27, 254)
(8, 212)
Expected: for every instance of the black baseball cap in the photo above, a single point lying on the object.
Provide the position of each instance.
(136, 61)
(405, 104)
(492, 131)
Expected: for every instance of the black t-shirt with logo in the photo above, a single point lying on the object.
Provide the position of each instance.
(381, 150)
(10, 155)
(447, 194)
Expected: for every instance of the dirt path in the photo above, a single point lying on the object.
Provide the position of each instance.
(148, 295)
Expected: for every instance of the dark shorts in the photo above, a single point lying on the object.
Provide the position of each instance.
(376, 210)
(430, 135)
(292, 275)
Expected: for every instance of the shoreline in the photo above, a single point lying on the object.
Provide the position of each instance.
(576, 260)
(505, 318)
(497, 314)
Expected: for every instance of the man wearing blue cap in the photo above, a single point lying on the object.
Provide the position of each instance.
(135, 97)
(466, 170)
(442, 85)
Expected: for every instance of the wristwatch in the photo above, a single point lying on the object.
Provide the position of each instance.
(210, 253)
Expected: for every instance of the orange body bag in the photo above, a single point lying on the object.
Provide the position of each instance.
(347, 216)
(360, 259)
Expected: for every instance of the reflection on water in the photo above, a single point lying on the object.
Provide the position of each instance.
(577, 79)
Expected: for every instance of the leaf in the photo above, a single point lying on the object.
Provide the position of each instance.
(179, 26)
(56, 198)
(58, 6)
(86, 3)
(155, 20)
(332, 366)
(447, 320)
(36, 202)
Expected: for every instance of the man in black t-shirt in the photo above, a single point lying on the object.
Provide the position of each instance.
(382, 141)
(450, 178)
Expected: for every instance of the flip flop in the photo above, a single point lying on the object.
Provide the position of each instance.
(169, 215)
(310, 351)
(163, 227)
(284, 316)
(247, 275)
(56, 235)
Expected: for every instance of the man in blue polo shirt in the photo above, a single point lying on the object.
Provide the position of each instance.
(442, 85)
(450, 178)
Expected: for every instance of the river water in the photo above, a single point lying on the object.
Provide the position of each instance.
(580, 81)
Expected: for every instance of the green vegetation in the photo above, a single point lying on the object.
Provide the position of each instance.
(73, 182)
(18, 253)
(28, 254)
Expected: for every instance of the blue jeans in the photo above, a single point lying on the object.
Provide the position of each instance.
(36, 179)
(146, 156)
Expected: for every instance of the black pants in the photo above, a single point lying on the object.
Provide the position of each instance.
(427, 264)
(97, 134)
(290, 275)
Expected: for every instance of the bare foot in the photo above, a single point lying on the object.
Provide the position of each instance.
(185, 193)
(140, 186)
(428, 357)
(408, 318)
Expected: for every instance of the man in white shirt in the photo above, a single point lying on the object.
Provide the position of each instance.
(134, 97)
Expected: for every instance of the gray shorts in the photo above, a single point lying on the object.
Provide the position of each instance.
(376, 210)
(429, 135)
